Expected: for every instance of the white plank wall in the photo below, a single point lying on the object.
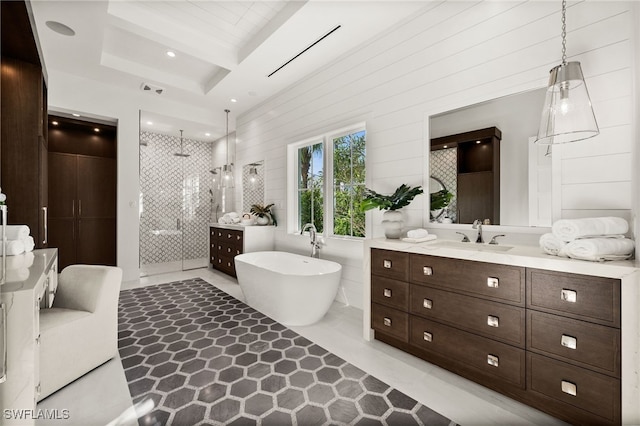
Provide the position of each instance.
(449, 55)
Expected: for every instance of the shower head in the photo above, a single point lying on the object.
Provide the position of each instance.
(181, 153)
(213, 172)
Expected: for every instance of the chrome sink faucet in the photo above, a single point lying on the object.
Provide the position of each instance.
(313, 235)
(477, 224)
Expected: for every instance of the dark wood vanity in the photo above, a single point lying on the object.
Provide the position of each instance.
(549, 339)
(228, 241)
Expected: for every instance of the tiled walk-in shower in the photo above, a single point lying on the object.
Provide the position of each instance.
(177, 200)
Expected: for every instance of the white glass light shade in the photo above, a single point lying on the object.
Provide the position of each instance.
(567, 115)
(253, 177)
(227, 176)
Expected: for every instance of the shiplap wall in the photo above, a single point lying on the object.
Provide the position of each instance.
(449, 55)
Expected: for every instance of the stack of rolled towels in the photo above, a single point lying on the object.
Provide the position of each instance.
(596, 239)
(418, 236)
(18, 240)
(229, 218)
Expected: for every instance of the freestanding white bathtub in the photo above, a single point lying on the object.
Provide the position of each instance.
(290, 288)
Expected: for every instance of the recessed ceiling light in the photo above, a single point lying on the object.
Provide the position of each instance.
(477, 141)
(445, 146)
(171, 53)
(149, 123)
(207, 134)
(75, 115)
(233, 100)
(55, 123)
(96, 130)
(60, 28)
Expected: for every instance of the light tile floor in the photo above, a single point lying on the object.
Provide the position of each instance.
(102, 396)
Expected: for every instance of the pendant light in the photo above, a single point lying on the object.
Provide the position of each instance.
(567, 115)
(227, 169)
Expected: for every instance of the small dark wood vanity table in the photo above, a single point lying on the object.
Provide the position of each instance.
(228, 241)
(548, 338)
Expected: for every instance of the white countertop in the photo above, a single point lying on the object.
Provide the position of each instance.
(24, 270)
(526, 256)
(237, 226)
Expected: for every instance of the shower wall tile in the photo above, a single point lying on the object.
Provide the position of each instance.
(444, 166)
(175, 202)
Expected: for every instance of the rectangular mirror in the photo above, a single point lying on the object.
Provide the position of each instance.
(517, 117)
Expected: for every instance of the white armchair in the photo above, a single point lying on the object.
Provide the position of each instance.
(80, 331)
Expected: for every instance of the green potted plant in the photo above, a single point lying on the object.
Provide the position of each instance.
(264, 214)
(439, 201)
(392, 218)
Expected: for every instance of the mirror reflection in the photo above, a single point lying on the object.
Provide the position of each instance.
(252, 184)
(516, 118)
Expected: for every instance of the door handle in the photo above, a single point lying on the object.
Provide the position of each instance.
(45, 221)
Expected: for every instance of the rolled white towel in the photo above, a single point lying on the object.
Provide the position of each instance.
(417, 233)
(551, 244)
(571, 229)
(29, 244)
(14, 247)
(599, 249)
(17, 232)
(18, 267)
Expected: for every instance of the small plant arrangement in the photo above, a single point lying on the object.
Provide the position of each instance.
(402, 196)
(260, 210)
(440, 199)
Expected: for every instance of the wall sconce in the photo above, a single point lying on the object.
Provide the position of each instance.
(567, 115)
(253, 175)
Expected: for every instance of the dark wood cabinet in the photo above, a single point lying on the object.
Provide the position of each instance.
(23, 145)
(82, 215)
(228, 241)
(478, 173)
(549, 339)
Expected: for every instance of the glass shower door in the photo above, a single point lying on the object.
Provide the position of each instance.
(174, 203)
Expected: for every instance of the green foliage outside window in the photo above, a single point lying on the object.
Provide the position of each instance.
(349, 153)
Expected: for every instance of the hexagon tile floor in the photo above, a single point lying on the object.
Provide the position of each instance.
(203, 357)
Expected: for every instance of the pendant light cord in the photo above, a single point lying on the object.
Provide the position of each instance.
(227, 111)
(564, 32)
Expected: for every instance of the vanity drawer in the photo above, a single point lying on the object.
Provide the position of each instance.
(225, 264)
(230, 236)
(213, 234)
(229, 249)
(490, 319)
(486, 356)
(390, 321)
(390, 264)
(588, 345)
(585, 297)
(501, 283)
(393, 293)
(587, 390)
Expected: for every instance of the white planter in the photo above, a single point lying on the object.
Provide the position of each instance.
(392, 223)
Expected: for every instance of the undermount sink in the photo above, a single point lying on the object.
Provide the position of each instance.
(472, 246)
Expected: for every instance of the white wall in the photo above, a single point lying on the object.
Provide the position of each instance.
(450, 55)
(78, 94)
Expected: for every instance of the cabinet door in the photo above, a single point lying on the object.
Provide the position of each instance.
(96, 213)
(96, 187)
(61, 221)
(475, 197)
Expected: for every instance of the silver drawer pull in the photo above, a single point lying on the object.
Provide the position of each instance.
(493, 360)
(570, 296)
(386, 264)
(427, 303)
(387, 322)
(229, 250)
(493, 321)
(493, 282)
(238, 237)
(569, 388)
(569, 342)
(427, 270)
(428, 337)
(387, 292)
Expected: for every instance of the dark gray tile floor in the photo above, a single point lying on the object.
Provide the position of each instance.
(203, 357)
